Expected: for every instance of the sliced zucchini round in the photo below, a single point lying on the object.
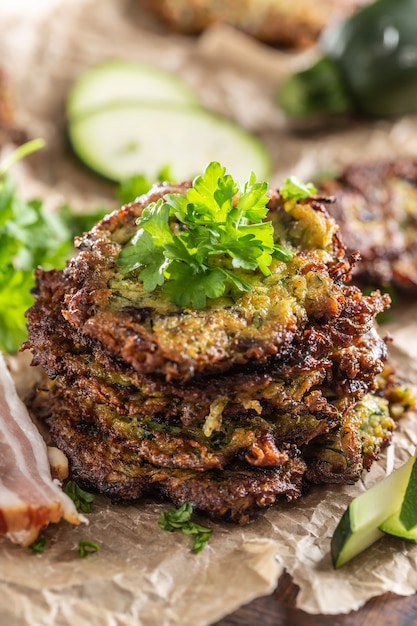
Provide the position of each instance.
(124, 140)
(119, 80)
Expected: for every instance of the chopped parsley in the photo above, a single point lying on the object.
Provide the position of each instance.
(39, 545)
(82, 499)
(180, 519)
(194, 246)
(86, 547)
(294, 189)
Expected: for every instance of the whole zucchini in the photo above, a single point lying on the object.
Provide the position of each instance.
(367, 66)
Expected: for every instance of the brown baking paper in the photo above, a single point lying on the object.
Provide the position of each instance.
(142, 575)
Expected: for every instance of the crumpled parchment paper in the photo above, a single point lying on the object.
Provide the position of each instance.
(142, 575)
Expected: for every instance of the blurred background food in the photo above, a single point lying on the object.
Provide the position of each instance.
(367, 66)
(276, 22)
(376, 208)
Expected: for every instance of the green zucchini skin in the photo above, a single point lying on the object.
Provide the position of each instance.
(126, 118)
(360, 524)
(341, 537)
(347, 542)
(368, 66)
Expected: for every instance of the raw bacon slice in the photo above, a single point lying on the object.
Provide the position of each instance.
(29, 497)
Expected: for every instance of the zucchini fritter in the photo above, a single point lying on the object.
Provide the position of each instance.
(113, 312)
(376, 208)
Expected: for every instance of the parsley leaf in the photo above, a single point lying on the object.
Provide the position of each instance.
(185, 288)
(39, 545)
(199, 245)
(294, 189)
(30, 235)
(131, 188)
(180, 519)
(77, 223)
(82, 499)
(86, 547)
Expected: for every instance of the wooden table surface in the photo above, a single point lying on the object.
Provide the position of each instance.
(279, 609)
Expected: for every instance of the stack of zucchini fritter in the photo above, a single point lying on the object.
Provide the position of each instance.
(228, 407)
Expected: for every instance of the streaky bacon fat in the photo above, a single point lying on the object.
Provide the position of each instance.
(29, 497)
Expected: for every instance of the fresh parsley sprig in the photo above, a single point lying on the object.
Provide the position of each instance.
(193, 246)
(180, 519)
(30, 235)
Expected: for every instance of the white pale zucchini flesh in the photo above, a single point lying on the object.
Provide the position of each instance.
(124, 140)
(360, 524)
(119, 80)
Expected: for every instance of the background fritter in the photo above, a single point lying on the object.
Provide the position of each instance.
(376, 207)
(276, 22)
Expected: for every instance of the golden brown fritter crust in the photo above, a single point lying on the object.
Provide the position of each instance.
(376, 208)
(127, 459)
(276, 22)
(318, 354)
(249, 437)
(112, 468)
(112, 312)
